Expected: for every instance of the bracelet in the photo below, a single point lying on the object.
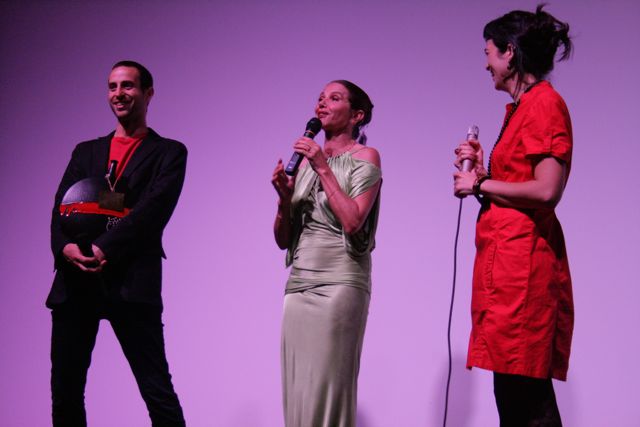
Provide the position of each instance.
(477, 183)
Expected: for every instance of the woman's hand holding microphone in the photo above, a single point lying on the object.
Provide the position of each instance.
(463, 181)
(312, 152)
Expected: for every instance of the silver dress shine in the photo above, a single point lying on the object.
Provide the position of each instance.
(327, 300)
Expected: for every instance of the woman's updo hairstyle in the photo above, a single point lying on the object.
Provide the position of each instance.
(359, 100)
(535, 38)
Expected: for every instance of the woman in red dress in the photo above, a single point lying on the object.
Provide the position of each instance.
(522, 305)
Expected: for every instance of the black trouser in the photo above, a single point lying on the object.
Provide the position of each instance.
(525, 402)
(138, 328)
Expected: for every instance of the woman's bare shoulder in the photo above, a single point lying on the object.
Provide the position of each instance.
(368, 154)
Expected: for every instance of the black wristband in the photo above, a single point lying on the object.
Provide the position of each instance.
(478, 182)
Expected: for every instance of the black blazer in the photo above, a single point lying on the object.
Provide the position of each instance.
(152, 181)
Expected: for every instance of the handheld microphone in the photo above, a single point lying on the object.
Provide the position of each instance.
(313, 127)
(472, 135)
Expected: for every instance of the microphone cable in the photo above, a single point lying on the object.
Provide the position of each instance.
(466, 165)
(453, 294)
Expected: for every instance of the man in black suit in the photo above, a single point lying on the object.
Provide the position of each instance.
(119, 278)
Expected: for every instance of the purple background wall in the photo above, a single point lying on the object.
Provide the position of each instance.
(236, 81)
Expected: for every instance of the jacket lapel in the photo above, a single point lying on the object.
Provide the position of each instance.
(100, 155)
(147, 146)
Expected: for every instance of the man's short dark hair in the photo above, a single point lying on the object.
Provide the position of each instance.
(146, 79)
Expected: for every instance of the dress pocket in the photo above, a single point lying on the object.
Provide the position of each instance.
(487, 273)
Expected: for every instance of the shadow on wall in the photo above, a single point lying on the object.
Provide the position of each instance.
(362, 419)
(565, 397)
(460, 411)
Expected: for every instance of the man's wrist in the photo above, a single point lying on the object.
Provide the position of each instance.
(284, 204)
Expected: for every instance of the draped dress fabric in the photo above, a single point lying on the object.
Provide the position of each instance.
(522, 304)
(326, 299)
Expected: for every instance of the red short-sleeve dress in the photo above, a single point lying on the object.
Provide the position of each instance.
(522, 304)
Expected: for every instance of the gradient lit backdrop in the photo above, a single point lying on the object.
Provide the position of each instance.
(236, 81)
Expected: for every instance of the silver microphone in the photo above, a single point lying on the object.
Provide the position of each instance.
(472, 135)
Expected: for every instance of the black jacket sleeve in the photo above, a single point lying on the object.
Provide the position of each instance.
(141, 230)
(74, 172)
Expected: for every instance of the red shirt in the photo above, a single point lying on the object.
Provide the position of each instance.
(522, 304)
(121, 150)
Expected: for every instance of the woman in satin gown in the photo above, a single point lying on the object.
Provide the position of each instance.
(326, 220)
(522, 304)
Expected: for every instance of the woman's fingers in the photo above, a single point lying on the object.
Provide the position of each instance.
(306, 146)
(475, 144)
(281, 182)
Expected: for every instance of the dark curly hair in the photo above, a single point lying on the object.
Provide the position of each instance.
(535, 38)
